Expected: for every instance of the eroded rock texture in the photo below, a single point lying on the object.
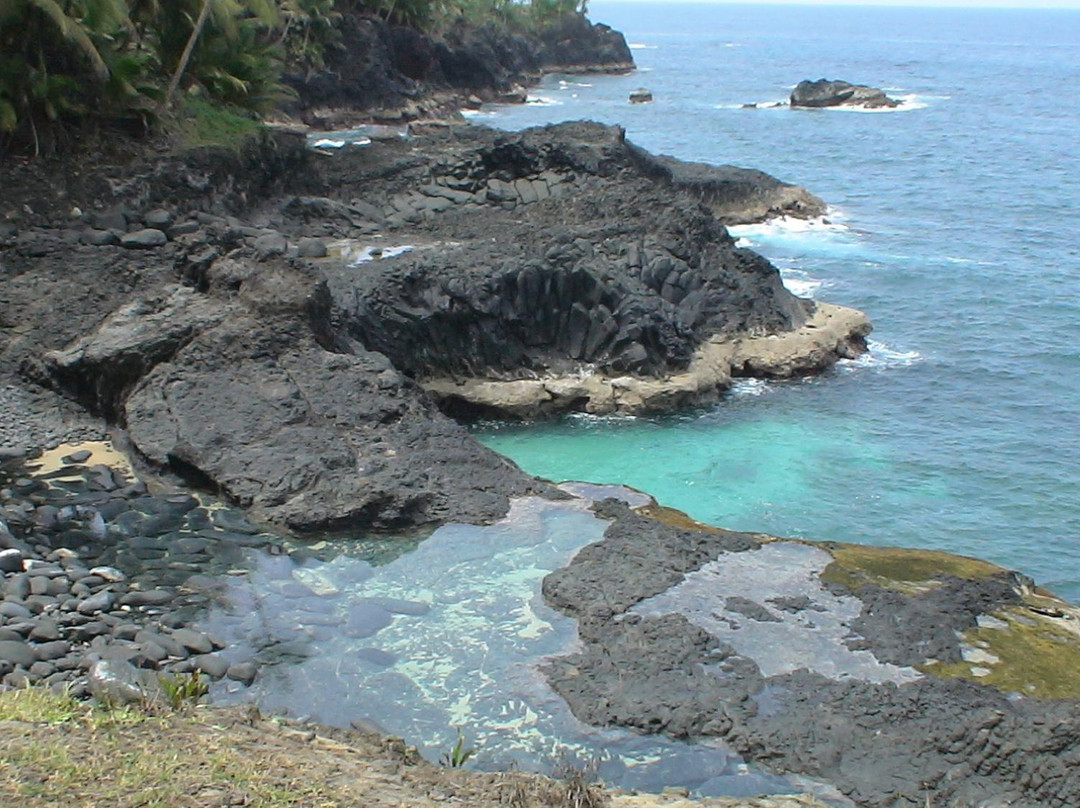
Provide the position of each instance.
(269, 347)
(697, 632)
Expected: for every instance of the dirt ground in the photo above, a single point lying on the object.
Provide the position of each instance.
(56, 752)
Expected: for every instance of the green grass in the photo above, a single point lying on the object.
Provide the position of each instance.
(202, 123)
(1037, 656)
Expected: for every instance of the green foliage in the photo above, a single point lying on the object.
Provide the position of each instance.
(433, 15)
(37, 705)
(67, 62)
(181, 690)
(310, 28)
(457, 755)
(64, 63)
(202, 123)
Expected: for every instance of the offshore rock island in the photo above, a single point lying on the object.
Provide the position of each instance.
(284, 340)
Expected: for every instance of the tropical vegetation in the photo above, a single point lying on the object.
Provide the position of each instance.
(134, 62)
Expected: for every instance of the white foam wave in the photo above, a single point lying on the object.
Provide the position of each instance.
(563, 84)
(642, 46)
(952, 259)
(831, 222)
(749, 387)
(542, 101)
(593, 419)
(801, 284)
(881, 356)
(908, 103)
(479, 113)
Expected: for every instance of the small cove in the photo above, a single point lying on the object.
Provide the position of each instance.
(950, 226)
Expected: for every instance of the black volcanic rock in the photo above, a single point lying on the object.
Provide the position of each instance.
(289, 383)
(826, 93)
(580, 257)
(382, 68)
(675, 669)
(734, 195)
(244, 390)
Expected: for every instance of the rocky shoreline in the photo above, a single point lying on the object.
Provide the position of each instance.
(301, 333)
(891, 674)
(101, 577)
(829, 334)
(385, 73)
(262, 323)
(900, 676)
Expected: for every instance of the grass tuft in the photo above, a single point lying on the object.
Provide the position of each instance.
(203, 123)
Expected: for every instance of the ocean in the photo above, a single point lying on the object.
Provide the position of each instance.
(952, 224)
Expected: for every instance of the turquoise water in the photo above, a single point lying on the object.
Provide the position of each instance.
(953, 226)
(445, 636)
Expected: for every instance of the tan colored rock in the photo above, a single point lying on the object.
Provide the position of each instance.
(830, 333)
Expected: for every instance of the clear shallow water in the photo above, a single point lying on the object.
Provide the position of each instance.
(953, 227)
(446, 633)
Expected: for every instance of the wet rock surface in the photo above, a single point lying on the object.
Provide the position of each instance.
(749, 658)
(100, 577)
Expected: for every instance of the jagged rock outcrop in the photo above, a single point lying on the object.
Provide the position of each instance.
(242, 387)
(826, 93)
(594, 263)
(589, 269)
(271, 347)
(736, 195)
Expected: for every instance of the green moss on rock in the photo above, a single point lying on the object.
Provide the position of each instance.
(898, 568)
(1037, 655)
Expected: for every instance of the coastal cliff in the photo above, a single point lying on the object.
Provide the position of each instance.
(295, 334)
(391, 73)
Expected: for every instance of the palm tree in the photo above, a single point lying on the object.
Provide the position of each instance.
(225, 13)
(76, 30)
(46, 47)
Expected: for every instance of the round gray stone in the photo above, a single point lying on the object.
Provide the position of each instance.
(144, 239)
(11, 561)
(212, 665)
(100, 602)
(311, 248)
(17, 653)
(244, 672)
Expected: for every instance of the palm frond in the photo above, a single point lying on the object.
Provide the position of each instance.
(73, 31)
